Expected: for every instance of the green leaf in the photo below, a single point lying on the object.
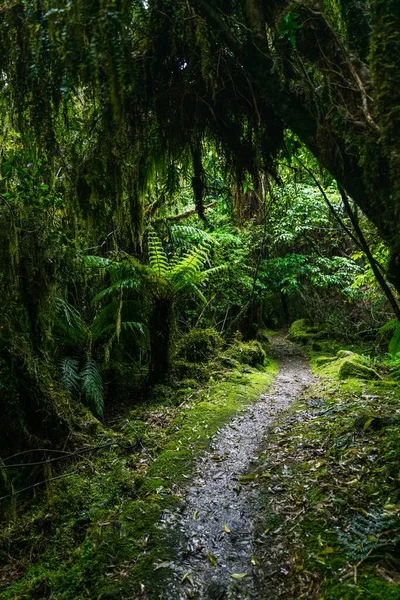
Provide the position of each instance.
(213, 559)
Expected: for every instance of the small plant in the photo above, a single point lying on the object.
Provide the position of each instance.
(85, 381)
(394, 346)
(367, 534)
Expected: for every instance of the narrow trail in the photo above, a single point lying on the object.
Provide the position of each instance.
(216, 521)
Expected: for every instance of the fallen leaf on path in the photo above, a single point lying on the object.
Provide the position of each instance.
(244, 479)
(213, 559)
(239, 575)
(163, 565)
(226, 528)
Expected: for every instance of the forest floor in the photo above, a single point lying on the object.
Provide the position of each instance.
(217, 517)
(253, 485)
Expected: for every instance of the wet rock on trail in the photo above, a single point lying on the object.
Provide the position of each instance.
(215, 558)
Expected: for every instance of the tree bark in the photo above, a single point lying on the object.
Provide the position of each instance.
(162, 329)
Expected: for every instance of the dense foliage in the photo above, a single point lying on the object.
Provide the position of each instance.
(176, 177)
(121, 120)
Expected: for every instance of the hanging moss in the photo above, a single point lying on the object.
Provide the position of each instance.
(385, 52)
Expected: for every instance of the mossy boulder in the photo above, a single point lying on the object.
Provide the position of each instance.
(358, 358)
(303, 332)
(298, 332)
(248, 353)
(199, 345)
(351, 368)
(324, 360)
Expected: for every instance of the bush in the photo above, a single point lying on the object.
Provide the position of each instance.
(183, 369)
(199, 345)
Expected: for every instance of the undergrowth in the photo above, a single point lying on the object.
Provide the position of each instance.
(96, 532)
(329, 527)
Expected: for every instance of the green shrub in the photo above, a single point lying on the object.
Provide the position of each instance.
(184, 369)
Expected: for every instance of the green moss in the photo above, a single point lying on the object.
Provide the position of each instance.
(298, 332)
(99, 531)
(302, 332)
(324, 360)
(338, 464)
(349, 367)
(185, 369)
(247, 353)
(200, 345)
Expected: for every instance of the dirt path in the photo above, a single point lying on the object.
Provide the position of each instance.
(216, 520)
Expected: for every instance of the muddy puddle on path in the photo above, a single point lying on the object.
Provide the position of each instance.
(215, 523)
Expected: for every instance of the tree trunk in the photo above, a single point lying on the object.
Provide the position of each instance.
(162, 330)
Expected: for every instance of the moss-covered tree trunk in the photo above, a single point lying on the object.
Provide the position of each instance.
(162, 329)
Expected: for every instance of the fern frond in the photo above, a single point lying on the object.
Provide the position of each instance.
(70, 379)
(192, 263)
(92, 387)
(367, 535)
(197, 292)
(389, 326)
(394, 344)
(188, 233)
(70, 321)
(157, 257)
(134, 327)
(97, 262)
(125, 284)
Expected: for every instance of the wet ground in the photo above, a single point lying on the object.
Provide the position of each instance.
(215, 524)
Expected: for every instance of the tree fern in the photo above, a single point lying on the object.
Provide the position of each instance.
(157, 257)
(92, 387)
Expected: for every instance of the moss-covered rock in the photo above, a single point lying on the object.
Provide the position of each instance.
(248, 353)
(351, 368)
(324, 360)
(298, 332)
(199, 345)
(358, 358)
(303, 332)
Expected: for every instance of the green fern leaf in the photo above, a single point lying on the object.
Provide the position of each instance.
(389, 326)
(70, 321)
(70, 374)
(125, 284)
(394, 344)
(92, 387)
(157, 257)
